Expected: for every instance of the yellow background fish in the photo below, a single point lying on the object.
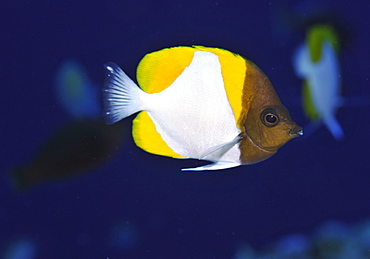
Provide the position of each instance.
(203, 103)
(316, 61)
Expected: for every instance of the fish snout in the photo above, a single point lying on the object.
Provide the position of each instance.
(296, 130)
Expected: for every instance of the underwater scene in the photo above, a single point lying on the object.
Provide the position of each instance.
(185, 129)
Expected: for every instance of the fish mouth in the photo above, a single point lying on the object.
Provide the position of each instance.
(296, 131)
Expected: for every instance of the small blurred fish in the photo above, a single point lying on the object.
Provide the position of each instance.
(77, 94)
(71, 151)
(316, 61)
(78, 146)
(203, 103)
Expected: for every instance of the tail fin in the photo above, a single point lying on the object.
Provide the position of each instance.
(121, 95)
(334, 127)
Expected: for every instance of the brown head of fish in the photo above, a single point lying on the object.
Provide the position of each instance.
(265, 122)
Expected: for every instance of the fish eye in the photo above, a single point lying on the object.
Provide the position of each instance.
(269, 117)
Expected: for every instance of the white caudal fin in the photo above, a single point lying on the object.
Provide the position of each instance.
(121, 95)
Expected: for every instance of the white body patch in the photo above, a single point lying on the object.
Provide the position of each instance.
(193, 115)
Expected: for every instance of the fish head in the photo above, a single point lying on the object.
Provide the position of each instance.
(265, 122)
(270, 127)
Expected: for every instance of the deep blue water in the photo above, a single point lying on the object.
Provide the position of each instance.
(159, 211)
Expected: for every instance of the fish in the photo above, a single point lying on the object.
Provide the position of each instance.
(72, 150)
(201, 103)
(75, 91)
(316, 62)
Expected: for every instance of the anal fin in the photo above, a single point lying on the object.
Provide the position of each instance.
(213, 166)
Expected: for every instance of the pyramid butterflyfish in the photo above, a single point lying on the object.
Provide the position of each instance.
(201, 103)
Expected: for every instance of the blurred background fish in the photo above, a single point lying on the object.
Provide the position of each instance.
(316, 61)
(72, 150)
(79, 145)
(76, 93)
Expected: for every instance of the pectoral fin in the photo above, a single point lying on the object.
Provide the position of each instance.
(216, 152)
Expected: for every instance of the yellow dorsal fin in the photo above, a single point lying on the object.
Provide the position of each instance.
(157, 70)
(233, 67)
(147, 138)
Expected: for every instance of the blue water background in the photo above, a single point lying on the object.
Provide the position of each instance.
(159, 211)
